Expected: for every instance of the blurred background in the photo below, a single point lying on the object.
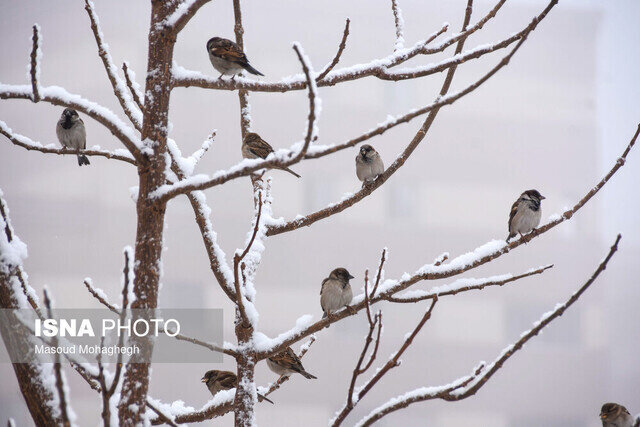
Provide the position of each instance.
(554, 119)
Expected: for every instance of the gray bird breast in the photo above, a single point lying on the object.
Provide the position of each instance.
(525, 218)
(331, 298)
(347, 295)
(74, 137)
(369, 170)
(223, 66)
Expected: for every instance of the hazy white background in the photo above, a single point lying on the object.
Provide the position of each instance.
(555, 119)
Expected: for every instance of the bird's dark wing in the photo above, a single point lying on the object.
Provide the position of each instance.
(229, 51)
(514, 209)
(227, 380)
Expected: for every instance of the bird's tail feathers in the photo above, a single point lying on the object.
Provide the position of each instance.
(308, 376)
(261, 398)
(83, 160)
(252, 70)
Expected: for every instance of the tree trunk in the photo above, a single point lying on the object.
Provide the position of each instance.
(150, 213)
(244, 415)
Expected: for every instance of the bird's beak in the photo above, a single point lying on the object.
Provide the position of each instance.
(603, 416)
(351, 277)
(204, 379)
(542, 197)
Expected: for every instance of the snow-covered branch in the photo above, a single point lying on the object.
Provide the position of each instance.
(119, 87)
(468, 386)
(134, 87)
(184, 11)
(59, 96)
(25, 142)
(399, 22)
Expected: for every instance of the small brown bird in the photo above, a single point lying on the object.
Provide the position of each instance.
(227, 57)
(336, 291)
(525, 213)
(254, 147)
(614, 415)
(286, 363)
(224, 380)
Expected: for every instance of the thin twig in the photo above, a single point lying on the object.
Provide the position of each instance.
(34, 68)
(137, 97)
(399, 23)
(336, 59)
(160, 414)
(482, 375)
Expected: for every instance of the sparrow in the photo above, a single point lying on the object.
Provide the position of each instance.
(71, 133)
(368, 164)
(525, 213)
(227, 57)
(614, 415)
(286, 363)
(336, 291)
(224, 380)
(254, 147)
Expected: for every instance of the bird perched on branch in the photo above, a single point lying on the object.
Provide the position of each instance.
(71, 133)
(336, 291)
(286, 363)
(224, 380)
(227, 57)
(525, 213)
(368, 164)
(614, 415)
(254, 147)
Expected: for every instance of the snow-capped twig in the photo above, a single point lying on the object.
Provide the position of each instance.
(200, 152)
(184, 11)
(399, 23)
(484, 374)
(394, 360)
(119, 88)
(201, 182)
(336, 59)
(463, 285)
(34, 66)
(161, 415)
(134, 88)
(60, 385)
(366, 190)
(59, 96)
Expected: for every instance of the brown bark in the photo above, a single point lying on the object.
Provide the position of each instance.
(150, 212)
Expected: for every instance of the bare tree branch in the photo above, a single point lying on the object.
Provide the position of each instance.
(336, 59)
(34, 66)
(469, 388)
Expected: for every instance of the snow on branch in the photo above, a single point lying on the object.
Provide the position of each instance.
(57, 95)
(34, 65)
(351, 199)
(279, 159)
(217, 259)
(399, 22)
(134, 87)
(437, 270)
(119, 87)
(184, 11)
(25, 142)
(468, 386)
(187, 78)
